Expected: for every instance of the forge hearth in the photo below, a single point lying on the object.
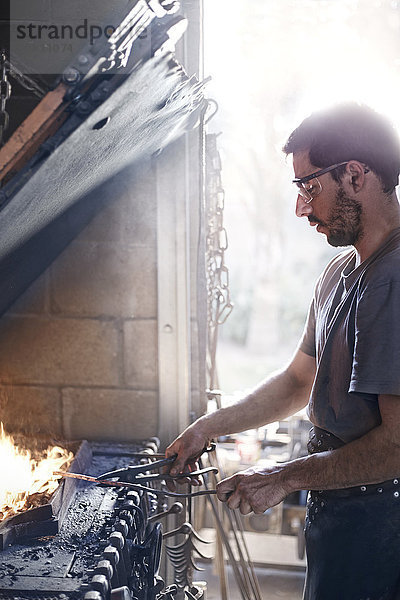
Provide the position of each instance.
(102, 545)
(47, 517)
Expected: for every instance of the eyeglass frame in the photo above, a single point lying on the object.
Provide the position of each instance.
(301, 180)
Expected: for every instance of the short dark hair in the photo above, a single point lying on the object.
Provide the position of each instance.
(349, 131)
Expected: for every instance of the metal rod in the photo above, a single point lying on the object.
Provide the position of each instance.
(249, 576)
(135, 486)
(238, 576)
(255, 585)
(246, 563)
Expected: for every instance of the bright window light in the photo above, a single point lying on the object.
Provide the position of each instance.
(272, 63)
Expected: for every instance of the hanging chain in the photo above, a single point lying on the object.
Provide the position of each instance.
(219, 305)
(5, 93)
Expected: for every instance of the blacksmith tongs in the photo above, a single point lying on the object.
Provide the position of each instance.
(140, 473)
(136, 475)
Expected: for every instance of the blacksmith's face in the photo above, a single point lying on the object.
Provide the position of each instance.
(333, 212)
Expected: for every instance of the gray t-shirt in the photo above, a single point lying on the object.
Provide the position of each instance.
(358, 357)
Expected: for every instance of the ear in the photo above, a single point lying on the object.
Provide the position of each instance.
(355, 175)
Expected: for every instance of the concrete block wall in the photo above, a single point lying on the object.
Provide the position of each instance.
(78, 351)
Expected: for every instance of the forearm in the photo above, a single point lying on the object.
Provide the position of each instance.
(371, 459)
(274, 399)
(279, 396)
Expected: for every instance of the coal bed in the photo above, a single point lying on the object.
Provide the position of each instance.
(106, 546)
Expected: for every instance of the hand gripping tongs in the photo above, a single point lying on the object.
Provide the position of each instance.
(134, 476)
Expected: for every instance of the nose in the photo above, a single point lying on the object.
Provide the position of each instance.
(303, 209)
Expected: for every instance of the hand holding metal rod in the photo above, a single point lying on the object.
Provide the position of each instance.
(130, 472)
(136, 475)
(186, 451)
(149, 454)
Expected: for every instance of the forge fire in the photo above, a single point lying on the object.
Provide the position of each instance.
(26, 475)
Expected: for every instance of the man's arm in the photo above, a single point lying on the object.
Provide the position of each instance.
(373, 458)
(279, 396)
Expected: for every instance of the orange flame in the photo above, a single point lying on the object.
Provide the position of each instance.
(23, 477)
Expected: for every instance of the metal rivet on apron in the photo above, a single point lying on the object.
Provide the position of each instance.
(395, 481)
(396, 494)
(363, 488)
(380, 490)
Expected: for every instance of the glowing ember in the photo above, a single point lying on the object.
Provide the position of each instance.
(23, 477)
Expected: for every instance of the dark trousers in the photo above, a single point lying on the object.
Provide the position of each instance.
(353, 543)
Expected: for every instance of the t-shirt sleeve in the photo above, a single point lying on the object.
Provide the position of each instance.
(307, 342)
(376, 358)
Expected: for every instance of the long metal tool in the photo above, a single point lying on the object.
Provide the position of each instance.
(245, 576)
(134, 486)
(149, 454)
(244, 592)
(140, 475)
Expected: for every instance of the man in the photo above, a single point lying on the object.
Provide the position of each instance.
(347, 367)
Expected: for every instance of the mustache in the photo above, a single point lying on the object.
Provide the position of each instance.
(313, 219)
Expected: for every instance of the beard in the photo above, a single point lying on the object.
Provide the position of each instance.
(344, 223)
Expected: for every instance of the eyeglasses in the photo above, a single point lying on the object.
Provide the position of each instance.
(310, 186)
